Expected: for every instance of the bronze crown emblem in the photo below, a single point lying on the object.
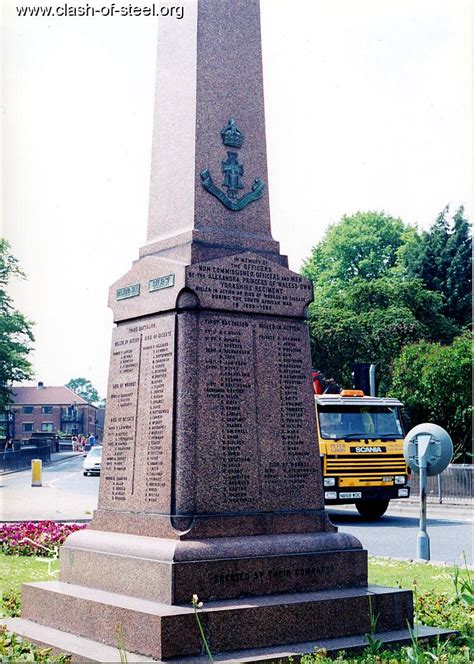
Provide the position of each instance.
(231, 135)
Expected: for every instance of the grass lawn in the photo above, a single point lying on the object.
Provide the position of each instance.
(15, 570)
(439, 610)
(402, 574)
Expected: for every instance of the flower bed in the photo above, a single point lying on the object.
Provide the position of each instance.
(35, 538)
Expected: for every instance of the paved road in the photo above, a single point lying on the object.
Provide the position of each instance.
(450, 530)
(67, 495)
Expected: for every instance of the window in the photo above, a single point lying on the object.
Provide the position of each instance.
(358, 422)
(27, 426)
(46, 426)
(27, 410)
(46, 410)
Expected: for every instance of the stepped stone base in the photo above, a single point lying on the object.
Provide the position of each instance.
(261, 595)
(171, 571)
(85, 650)
(165, 631)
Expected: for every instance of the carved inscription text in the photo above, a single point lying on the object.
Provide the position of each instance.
(136, 462)
(256, 428)
(249, 283)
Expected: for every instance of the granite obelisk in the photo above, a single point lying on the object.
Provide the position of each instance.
(211, 483)
(210, 427)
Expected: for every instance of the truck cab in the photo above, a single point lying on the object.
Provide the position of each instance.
(361, 447)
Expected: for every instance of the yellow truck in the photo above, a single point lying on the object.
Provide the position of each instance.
(361, 447)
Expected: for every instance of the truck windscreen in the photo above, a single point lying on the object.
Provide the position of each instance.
(357, 422)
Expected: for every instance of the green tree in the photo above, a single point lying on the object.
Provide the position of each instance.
(442, 258)
(84, 388)
(372, 322)
(364, 245)
(16, 335)
(366, 308)
(434, 383)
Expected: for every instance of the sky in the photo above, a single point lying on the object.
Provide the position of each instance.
(368, 107)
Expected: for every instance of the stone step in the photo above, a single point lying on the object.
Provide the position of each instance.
(81, 648)
(165, 631)
(171, 571)
(86, 650)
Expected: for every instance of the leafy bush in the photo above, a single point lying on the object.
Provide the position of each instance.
(13, 649)
(439, 610)
(432, 609)
(463, 585)
(11, 603)
(35, 538)
(444, 652)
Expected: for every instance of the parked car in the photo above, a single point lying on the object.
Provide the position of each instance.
(93, 460)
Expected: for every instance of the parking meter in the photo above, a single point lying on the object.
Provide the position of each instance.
(427, 449)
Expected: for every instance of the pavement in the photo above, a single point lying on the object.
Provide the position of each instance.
(55, 457)
(58, 499)
(448, 511)
(60, 456)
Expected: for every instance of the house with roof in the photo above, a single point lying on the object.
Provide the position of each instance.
(51, 409)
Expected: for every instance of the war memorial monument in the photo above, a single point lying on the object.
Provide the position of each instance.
(211, 481)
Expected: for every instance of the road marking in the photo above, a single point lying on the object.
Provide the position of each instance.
(60, 479)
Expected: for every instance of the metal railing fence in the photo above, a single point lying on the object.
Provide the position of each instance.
(453, 485)
(21, 459)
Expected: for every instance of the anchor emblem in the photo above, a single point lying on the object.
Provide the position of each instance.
(233, 172)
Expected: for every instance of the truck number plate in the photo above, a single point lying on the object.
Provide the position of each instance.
(350, 494)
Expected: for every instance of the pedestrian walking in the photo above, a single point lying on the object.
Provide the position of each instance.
(8, 446)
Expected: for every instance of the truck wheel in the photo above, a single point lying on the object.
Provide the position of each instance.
(372, 509)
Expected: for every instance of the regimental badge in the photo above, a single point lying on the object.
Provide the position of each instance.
(233, 172)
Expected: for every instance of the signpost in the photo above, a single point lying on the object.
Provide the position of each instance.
(427, 449)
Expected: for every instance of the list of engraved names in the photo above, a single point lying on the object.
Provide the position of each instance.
(136, 463)
(256, 428)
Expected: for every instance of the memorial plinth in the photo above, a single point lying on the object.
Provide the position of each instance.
(211, 480)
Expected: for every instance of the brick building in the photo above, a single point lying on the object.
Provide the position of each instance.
(45, 409)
